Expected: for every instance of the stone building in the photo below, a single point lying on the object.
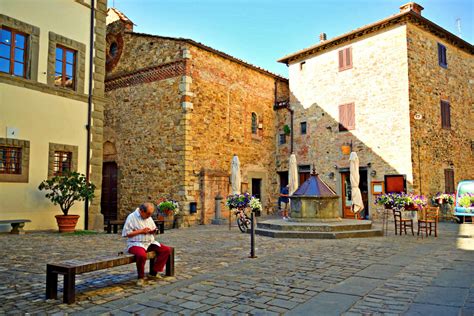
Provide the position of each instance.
(400, 91)
(178, 111)
(44, 105)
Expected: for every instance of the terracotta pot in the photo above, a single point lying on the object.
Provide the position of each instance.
(67, 223)
(410, 207)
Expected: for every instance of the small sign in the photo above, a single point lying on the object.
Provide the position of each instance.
(12, 132)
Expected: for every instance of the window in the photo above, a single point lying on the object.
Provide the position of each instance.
(345, 58)
(303, 128)
(449, 180)
(254, 123)
(62, 163)
(65, 67)
(13, 52)
(10, 160)
(282, 139)
(14, 160)
(62, 159)
(346, 117)
(445, 115)
(442, 59)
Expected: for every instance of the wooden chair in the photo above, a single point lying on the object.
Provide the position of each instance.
(428, 221)
(402, 222)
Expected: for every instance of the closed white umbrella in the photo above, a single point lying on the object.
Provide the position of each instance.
(292, 175)
(357, 204)
(235, 178)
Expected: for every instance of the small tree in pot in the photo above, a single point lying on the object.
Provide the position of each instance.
(64, 191)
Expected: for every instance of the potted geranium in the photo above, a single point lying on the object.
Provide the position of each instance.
(65, 191)
(443, 198)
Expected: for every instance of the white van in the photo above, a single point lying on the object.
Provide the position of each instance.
(465, 186)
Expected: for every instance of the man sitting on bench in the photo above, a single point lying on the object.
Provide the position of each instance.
(140, 230)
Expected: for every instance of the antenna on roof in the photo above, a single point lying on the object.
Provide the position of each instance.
(458, 25)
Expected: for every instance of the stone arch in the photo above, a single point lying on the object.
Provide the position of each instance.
(110, 152)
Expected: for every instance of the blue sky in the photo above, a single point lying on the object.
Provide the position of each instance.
(262, 31)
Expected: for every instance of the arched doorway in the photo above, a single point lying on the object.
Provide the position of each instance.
(108, 202)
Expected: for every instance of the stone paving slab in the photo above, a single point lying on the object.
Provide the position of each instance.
(359, 286)
(432, 310)
(448, 296)
(325, 304)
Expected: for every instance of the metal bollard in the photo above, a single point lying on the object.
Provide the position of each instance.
(252, 236)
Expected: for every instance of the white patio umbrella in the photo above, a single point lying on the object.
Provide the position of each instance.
(357, 204)
(235, 177)
(292, 175)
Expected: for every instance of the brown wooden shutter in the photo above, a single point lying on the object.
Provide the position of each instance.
(449, 180)
(350, 112)
(445, 114)
(348, 63)
(341, 59)
(342, 118)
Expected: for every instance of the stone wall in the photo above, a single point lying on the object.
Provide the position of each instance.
(141, 121)
(176, 129)
(429, 84)
(225, 94)
(377, 84)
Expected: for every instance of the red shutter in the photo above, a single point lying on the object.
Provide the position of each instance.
(348, 57)
(341, 59)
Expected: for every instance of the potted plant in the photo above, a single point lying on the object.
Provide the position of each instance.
(445, 201)
(386, 200)
(256, 206)
(65, 191)
(346, 148)
(170, 209)
(286, 130)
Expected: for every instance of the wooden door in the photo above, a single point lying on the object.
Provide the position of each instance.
(257, 188)
(346, 195)
(108, 203)
(303, 176)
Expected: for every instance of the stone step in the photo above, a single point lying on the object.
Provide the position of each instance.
(316, 227)
(319, 235)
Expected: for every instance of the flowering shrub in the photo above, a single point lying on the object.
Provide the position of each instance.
(443, 198)
(255, 204)
(238, 200)
(467, 200)
(399, 200)
(168, 207)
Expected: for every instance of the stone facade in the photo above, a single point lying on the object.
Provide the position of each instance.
(430, 83)
(59, 115)
(394, 76)
(177, 112)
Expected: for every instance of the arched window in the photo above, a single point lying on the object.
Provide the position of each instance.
(254, 123)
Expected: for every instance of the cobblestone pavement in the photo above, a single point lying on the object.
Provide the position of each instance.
(370, 276)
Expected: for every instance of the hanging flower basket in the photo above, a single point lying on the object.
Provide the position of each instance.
(346, 149)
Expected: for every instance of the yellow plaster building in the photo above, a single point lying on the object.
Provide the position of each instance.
(45, 109)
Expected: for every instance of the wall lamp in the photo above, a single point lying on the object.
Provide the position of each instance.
(331, 175)
(373, 173)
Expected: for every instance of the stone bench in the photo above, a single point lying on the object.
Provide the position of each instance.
(71, 268)
(17, 225)
(114, 224)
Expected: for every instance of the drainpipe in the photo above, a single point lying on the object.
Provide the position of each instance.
(292, 132)
(89, 110)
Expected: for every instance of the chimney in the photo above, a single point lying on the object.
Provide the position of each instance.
(411, 6)
(322, 37)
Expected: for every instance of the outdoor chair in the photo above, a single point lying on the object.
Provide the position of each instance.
(428, 221)
(402, 223)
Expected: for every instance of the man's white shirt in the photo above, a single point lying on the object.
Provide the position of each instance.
(134, 222)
